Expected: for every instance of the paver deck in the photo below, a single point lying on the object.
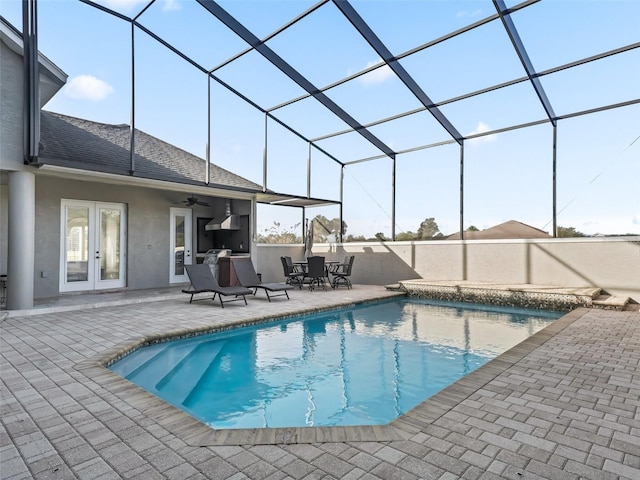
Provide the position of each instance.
(563, 404)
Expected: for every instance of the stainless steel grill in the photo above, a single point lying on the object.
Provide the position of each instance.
(211, 258)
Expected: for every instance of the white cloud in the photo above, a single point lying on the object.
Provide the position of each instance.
(481, 128)
(636, 219)
(88, 87)
(129, 5)
(170, 5)
(468, 13)
(378, 75)
(122, 5)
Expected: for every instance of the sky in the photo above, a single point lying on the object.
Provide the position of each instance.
(506, 175)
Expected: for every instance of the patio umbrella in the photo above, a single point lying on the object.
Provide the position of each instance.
(308, 241)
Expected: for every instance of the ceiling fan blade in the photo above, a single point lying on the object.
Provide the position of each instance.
(192, 200)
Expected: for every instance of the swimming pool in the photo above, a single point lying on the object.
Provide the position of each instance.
(363, 365)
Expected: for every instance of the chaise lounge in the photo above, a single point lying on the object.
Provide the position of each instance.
(203, 281)
(248, 277)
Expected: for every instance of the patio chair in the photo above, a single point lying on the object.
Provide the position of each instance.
(248, 277)
(316, 272)
(342, 273)
(203, 281)
(290, 273)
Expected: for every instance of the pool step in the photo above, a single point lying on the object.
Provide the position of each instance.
(154, 369)
(178, 383)
(138, 359)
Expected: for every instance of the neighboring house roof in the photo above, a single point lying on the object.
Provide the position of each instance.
(510, 229)
(83, 144)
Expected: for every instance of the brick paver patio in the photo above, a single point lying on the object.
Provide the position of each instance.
(564, 404)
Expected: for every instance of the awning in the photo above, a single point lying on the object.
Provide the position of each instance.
(283, 199)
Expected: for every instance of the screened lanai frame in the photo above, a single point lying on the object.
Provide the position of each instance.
(322, 95)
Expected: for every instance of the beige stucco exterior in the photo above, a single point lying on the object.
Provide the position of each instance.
(610, 263)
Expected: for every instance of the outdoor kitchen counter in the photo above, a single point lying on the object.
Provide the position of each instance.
(226, 272)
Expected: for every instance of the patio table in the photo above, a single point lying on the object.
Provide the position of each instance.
(327, 264)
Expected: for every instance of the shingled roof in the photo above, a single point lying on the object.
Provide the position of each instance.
(510, 229)
(83, 144)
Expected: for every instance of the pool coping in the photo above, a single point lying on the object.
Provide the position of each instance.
(195, 433)
(547, 297)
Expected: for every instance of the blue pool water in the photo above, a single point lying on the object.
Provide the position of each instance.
(362, 365)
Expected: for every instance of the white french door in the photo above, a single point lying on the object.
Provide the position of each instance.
(180, 244)
(92, 245)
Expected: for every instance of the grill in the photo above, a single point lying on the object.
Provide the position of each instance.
(211, 258)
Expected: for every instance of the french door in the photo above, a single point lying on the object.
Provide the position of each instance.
(93, 245)
(180, 244)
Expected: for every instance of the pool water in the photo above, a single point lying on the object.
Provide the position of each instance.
(363, 365)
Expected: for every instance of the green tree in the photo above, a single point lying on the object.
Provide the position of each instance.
(472, 228)
(379, 236)
(428, 229)
(406, 236)
(564, 232)
(323, 227)
(278, 234)
(355, 238)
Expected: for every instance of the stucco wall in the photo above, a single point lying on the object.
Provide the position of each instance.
(4, 227)
(612, 264)
(11, 106)
(147, 233)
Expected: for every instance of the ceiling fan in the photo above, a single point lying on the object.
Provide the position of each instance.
(190, 201)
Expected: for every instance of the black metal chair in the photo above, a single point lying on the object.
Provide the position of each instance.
(342, 273)
(316, 273)
(293, 277)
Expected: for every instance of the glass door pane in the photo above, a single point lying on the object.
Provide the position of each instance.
(77, 244)
(180, 244)
(178, 263)
(110, 222)
(92, 245)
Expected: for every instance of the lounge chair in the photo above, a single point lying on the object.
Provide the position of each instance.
(342, 272)
(248, 277)
(203, 281)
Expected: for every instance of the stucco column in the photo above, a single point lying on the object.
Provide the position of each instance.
(20, 248)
